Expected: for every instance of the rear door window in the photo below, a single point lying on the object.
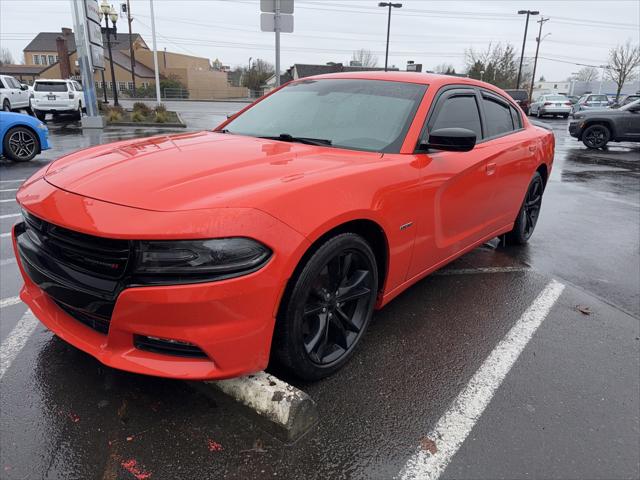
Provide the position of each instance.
(497, 114)
(2, 85)
(458, 110)
(50, 87)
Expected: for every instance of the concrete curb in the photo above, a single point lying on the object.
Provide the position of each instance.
(280, 408)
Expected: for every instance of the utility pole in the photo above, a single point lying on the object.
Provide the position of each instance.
(155, 53)
(524, 41)
(131, 51)
(535, 62)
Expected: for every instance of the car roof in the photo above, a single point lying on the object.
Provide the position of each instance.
(52, 80)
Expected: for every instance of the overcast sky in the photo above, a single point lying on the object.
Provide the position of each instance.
(426, 31)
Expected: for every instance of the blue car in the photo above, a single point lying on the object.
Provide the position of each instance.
(22, 137)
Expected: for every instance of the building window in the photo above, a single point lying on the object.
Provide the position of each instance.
(57, 58)
(43, 59)
(130, 86)
(36, 59)
(122, 86)
(51, 60)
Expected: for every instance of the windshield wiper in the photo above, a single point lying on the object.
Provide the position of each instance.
(285, 137)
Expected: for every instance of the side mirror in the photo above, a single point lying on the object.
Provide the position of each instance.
(24, 87)
(450, 139)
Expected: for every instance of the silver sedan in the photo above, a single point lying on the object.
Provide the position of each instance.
(551, 105)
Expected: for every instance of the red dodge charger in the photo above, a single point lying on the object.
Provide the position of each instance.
(276, 235)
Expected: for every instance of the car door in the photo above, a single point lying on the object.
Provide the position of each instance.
(457, 187)
(632, 122)
(512, 150)
(20, 98)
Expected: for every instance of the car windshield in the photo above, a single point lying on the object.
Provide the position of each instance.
(370, 115)
(630, 105)
(50, 87)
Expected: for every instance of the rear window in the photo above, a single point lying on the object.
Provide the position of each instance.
(50, 87)
(556, 98)
(597, 98)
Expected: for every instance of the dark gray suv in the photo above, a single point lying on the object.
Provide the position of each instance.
(598, 127)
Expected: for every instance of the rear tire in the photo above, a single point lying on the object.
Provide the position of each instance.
(40, 115)
(6, 106)
(327, 308)
(529, 212)
(565, 115)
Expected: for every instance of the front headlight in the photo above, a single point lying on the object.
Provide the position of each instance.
(198, 260)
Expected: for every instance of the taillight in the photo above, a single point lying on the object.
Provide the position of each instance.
(567, 103)
(547, 103)
(71, 95)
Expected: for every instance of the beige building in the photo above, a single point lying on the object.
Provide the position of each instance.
(196, 74)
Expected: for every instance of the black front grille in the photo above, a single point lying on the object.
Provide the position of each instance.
(103, 257)
(97, 322)
(82, 273)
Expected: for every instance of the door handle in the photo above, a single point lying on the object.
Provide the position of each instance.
(491, 168)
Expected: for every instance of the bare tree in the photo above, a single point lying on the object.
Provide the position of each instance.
(623, 62)
(5, 56)
(498, 63)
(365, 57)
(586, 74)
(255, 77)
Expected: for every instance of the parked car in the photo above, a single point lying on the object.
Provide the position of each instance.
(591, 102)
(13, 95)
(201, 255)
(596, 128)
(626, 100)
(22, 136)
(57, 97)
(573, 99)
(554, 105)
(521, 97)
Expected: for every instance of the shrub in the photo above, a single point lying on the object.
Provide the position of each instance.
(113, 115)
(160, 108)
(141, 108)
(161, 117)
(137, 116)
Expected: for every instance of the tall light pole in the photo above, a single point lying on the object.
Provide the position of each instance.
(539, 39)
(390, 5)
(155, 53)
(108, 12)
(524, 40)
(481, 74)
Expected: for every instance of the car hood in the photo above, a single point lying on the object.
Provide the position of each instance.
(195, 170)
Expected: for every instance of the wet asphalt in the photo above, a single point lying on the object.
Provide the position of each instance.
(568, 408)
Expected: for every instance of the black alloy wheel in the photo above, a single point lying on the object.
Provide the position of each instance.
(20, 144)
(529, 213)
(328, 309)
(595, 136)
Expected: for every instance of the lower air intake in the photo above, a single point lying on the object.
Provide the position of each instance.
(167, 346)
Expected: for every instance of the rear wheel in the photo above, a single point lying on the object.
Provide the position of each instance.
(20, 144)
(328, 308)
(565, 115)
(40, 115)
(595, 136)
(528, 215)
(78, 114)
(6, 106)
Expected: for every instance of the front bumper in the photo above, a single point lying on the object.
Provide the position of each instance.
(575, 128)
(231, 321)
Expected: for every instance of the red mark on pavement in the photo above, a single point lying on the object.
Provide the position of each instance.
(132, 467)
(74, 418)
(214, 446)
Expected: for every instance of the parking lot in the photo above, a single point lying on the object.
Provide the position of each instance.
(566, 407)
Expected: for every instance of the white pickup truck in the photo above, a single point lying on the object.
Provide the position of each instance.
(57, 97)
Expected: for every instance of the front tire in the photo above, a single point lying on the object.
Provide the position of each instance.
(596, 136)
(529, 212)
(20, 144)
(328, 308)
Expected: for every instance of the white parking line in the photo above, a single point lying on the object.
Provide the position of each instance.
(7, 302)
(7, 200)
(16, 340)
(10, 215)
(7, 261)
(13, 181)
(471, 271)
(454, 426)
(8, 190)
(5, 235)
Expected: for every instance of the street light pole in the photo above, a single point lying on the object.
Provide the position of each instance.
(109, 12)
(524, 40)
(539, 39)
(390, 5)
